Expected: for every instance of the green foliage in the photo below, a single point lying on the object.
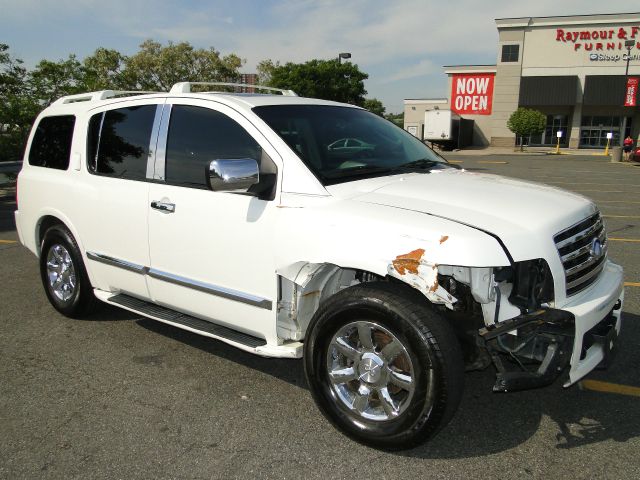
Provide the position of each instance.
(105, 70)
(525, 121)
(17, 108)
(397, 118)
(325, 79)
(374, 106)
(156, 67)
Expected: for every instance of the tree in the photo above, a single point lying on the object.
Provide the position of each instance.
(397, 118)
(105, 70)
(156, 67)
(524, 122)
(374, 106)
(325, 79)
(17, 107)
(52, 80)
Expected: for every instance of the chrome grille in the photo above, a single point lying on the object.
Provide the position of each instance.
(575, 245)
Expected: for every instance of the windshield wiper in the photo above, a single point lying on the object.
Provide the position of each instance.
(417, 165)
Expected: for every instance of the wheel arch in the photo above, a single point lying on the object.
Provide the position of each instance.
(304, 286)
(50, 218)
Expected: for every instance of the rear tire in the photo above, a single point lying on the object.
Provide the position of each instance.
(383, 366)
(63, 274)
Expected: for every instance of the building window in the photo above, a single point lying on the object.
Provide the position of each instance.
(555, 124)
(594, 129)
(510, 53)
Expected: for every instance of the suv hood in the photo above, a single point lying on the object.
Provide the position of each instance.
(522, 214)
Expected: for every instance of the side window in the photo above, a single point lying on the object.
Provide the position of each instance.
(51, 145)
(198, 135)
(118, 142)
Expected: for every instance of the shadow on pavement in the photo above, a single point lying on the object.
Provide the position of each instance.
(488, 423)
(287, 370)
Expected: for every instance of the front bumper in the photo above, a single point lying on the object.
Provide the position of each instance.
(590, 309)
(581, 335)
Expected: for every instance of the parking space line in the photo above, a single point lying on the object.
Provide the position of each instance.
(616, 201)
(604, 191)
(606, 387)
(455, 161)
(632, 284)
(621, 216)
(631, 240)
(492, 161)
(7, 241)
(596, 183)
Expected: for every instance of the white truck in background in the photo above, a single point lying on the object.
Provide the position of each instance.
(447, 129)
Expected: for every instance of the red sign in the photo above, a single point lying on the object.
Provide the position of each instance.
(472, 93)
(632, 92)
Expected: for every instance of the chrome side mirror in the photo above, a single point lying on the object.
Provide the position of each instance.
(232, 175)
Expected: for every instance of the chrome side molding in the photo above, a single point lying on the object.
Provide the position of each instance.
(204, 287)
(114, 262)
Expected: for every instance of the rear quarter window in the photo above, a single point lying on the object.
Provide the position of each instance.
(51, 145)
(118, 142)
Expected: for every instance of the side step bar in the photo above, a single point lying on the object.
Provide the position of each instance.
(243, 341)
(171, 316)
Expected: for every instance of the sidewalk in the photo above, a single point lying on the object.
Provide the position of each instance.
(527, 151)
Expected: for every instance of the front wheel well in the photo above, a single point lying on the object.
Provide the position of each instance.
(303, 289)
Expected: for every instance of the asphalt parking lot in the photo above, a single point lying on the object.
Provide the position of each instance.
(119, 396)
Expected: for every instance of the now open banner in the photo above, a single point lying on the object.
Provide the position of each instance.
(472, 93)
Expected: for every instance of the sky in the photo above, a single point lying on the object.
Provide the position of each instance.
(401, 44)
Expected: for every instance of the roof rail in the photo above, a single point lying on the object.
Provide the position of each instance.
(185, 87)
(99, 95)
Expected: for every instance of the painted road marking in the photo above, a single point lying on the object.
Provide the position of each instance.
(620, 216)
(491, 161)
(7, 241)
(597, 183)
(632, 284)
(616, 239)
(616, 201)
(604, 191)
(455, 161)
(607, 387)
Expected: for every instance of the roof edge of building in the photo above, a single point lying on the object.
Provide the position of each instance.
(594, 18)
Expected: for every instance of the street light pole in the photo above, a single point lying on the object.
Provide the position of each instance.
(628, 44)
(344, 55)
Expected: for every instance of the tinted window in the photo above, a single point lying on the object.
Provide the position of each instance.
(341, 144)
(510, 53)
(51, 146)
(121, 147)
(198, 135)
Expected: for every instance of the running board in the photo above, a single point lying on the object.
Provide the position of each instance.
(241, 340)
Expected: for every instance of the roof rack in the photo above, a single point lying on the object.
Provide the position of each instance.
(185, 87)
(100, 95)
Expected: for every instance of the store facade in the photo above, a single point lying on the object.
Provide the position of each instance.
(572, 69)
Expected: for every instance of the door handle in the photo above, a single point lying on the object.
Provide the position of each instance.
(163, 206)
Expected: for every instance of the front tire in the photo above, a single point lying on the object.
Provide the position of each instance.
(63, 274)
(382, 366)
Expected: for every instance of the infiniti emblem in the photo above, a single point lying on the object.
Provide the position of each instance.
(596, 248)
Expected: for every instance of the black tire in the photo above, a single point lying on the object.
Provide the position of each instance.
(430, 345)
(79, 300)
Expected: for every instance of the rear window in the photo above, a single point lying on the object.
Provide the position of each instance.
(51, 145)
(118, 142)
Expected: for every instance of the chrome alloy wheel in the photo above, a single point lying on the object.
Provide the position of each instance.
(370, 371)
(61, 273)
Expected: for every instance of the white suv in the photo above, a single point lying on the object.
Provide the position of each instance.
(390, 271)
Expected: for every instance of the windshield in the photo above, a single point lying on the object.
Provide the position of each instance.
(341, 144)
